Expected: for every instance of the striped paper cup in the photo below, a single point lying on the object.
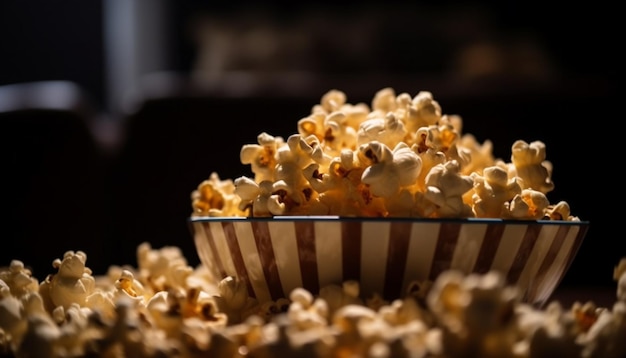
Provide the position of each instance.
(275, 255)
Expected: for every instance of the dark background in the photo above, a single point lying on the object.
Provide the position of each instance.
(119, 171)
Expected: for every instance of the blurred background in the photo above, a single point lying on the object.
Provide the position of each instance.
(112, 112)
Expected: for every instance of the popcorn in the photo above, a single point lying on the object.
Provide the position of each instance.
(445, 186)
(262, 156)
(559, 211)
(162, 269)
(129, 286)
(305, 312)
(73, 282)
(333, 100)
(340, 132)
(400, 156)
(423, 112)
(334, 130)
(255, 196)
(384, 101)
(324, 168)
(585, 315)
(606, 336)
(18, 279)
(531, 166)
(456, 315)
(216, 197)
(388, 130)
(556, 336)
(440, 137)
(493, 191)
(12, 324)
(41, 337)
(390, 170)
(430, 158)
(619, 275)
(529, 204)
(233, 299)
(337, 296)
(476, 313)
(347, 320)
(481, 154)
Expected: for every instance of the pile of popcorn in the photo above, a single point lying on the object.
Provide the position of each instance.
(398, 157)
(166, 308)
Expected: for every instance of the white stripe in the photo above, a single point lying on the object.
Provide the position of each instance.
(329, 253)
(283, 234)
(422, 245)
(203, 247)
(374, 250)
(222, 248)
(251, 259)
(512, 237)
(468, 247)
(544, 240)
(556, 269)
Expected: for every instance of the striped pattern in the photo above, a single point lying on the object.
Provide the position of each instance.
(275, 256)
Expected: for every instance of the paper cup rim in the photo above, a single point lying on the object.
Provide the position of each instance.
(386, 219)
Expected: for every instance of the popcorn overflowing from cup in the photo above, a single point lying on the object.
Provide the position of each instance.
(400, 156)
(154, 311)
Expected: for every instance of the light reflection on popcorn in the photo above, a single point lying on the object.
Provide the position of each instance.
(399, 156)
(155, 311)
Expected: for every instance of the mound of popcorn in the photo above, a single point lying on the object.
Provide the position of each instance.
(400, 156)
(166, 308)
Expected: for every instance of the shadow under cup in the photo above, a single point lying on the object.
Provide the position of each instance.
(273, 256)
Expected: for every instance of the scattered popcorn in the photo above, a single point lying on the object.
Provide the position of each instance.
(476, 314)
(73, 282)
(557, 335)
(192, 315)
(619, 275)
(337, 296)
(18, 279)
(12, 323)
(606, 336)
(305, 312)
(161, 269)
(233, 299)
(401, 156)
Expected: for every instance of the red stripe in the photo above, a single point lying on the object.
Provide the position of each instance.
(216, 256)
(577, 242)
(305, 236)
(399, 237)
(235, 253)
(523, 253)
(489, 247)
(351, 250)
(554, 249)
(446, 243)
(264, 246)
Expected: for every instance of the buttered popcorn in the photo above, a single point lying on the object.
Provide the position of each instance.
(400, 156)
(155, 311)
